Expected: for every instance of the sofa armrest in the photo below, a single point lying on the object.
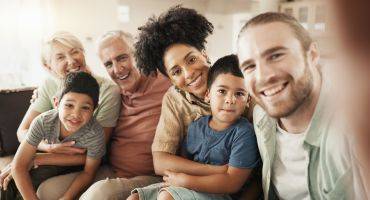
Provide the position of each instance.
(13, 106)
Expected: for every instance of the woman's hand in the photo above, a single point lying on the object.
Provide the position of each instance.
(34, 96)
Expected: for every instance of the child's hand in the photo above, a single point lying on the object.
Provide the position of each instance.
(175, 179)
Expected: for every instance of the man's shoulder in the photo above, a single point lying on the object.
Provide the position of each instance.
(159, 81)
(258, 114)
(106, 84)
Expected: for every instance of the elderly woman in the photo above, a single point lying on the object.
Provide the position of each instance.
(174, 44)
(63, 53)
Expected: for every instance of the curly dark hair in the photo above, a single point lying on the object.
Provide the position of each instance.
(177, 25)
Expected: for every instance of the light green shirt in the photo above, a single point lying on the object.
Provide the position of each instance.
(329, 169)
(107, 111)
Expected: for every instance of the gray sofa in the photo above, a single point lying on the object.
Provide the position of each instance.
(13, 106)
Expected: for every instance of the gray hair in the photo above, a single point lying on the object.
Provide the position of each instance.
(116, 34)
(61, 37)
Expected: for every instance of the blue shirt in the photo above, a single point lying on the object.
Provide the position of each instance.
(236, 145)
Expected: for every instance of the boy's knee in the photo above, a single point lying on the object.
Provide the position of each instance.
(134, 196)
(164, 195)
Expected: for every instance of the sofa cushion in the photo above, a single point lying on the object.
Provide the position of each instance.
(13, 106)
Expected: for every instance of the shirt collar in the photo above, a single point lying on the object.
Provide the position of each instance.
(320, 118)
(192, 99)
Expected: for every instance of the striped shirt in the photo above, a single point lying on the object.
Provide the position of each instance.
(46, 126)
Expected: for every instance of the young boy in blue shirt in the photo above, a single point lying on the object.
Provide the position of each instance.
(71, 121)
(223, 138)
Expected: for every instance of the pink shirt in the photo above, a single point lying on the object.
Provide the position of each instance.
(133, 136)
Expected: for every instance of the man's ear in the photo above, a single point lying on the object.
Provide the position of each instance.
(207, 97)
(313, 54)
(56, 102)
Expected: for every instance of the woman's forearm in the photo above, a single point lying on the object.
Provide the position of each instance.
(59, 159)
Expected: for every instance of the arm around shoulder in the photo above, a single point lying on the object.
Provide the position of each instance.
(26, 123)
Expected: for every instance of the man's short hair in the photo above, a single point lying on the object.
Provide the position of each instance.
(83, 83)
(225, 65)
(62, 37)
(116, 34)
(299, 31)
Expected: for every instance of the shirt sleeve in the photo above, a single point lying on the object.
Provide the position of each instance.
(170, 126)
(244, 151)
(36, 132)
(108, 109)
(96, 148)
(43, 100)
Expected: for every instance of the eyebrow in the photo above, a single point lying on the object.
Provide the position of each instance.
(238, 89)
(185, 57)
(264, 54)
(272, 50)
(72, 100)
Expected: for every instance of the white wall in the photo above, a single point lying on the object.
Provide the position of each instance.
(25, 23)
(90, 18)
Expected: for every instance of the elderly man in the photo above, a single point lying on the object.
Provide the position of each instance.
(130, 159)
(305, 154)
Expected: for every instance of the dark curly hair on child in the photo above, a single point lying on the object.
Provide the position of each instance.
(176, 26)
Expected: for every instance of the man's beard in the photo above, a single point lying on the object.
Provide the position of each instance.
(299, 96)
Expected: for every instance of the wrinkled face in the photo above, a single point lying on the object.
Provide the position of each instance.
(187, 68)
(278, 74)
(75, 110)
(119, 63)
(64, 59)
(228, 98)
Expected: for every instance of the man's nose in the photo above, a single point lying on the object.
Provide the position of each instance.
(264, 73)
(116, 67)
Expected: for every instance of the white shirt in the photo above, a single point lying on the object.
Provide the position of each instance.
(289, 169)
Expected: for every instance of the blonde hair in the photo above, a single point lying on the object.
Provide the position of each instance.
(116, 34)
(61, 37)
